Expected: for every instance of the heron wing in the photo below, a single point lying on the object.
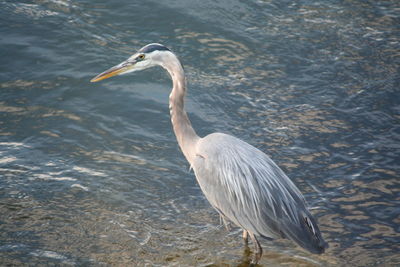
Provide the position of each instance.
(245, 185)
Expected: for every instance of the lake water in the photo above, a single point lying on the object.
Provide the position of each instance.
(91, 174)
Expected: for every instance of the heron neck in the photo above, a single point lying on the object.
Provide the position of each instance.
(185, 134)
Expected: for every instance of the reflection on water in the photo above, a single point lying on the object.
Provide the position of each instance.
(92, 175)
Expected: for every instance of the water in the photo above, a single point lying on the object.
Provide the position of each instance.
(91, 173)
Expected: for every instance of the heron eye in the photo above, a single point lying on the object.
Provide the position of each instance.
(141, 56)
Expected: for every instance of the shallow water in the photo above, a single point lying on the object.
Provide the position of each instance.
(91, 173)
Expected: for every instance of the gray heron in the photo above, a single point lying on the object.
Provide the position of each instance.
(241, 182)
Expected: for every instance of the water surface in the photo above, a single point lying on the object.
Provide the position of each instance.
(91, 173)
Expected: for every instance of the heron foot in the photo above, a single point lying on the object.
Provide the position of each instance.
(258, 250)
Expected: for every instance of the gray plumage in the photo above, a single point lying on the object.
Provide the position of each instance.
(242, 183)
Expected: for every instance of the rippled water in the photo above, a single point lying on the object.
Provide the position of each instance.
(91, 173)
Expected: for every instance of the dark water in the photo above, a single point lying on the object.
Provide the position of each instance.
(91, 173)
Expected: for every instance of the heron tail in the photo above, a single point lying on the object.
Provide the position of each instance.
(306, 233)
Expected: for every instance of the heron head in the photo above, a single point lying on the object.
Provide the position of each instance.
(148, 56)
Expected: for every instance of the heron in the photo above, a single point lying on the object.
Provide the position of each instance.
(242, 183)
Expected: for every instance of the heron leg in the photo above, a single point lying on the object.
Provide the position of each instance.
(223, 220)
(257, 247)
(245, 236)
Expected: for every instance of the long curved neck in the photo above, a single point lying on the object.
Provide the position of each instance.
(185, 134)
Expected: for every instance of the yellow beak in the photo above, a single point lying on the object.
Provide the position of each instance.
(119, 69)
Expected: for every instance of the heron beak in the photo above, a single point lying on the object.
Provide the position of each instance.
(116, 70)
